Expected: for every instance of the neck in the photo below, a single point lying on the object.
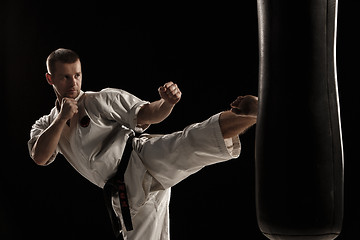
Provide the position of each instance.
(58, 96)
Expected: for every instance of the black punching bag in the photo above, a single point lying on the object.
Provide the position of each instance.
(299, 156)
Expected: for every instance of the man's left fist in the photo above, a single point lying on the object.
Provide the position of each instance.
(170, 93)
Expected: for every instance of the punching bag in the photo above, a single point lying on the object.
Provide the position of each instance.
(299, 155)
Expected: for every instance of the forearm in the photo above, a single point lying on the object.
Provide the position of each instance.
(154, 112)
(46, 144)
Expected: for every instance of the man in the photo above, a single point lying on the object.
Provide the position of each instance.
(91, 130)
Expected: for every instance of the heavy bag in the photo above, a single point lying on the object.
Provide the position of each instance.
(299, 155)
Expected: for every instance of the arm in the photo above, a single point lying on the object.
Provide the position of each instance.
(46, 144)
(157, 111)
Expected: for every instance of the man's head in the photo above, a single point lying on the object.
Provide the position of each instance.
(64, 73)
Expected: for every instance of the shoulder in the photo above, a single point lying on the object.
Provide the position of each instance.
(44, 122)
(103, 101)
(107, 93)
(47, 119)
(115, 94)
(110, 95)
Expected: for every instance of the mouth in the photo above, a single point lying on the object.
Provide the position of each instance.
(71, 93)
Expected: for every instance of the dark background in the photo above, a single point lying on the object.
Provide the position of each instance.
(210, 50)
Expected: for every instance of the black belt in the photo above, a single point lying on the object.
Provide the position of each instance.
(116, 185)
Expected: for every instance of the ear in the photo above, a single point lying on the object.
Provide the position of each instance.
(48, 78)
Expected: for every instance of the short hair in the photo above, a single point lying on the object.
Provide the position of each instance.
(60, 55)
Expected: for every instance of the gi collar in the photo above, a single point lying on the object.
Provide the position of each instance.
(57, 104)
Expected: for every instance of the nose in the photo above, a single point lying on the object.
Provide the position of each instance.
(73, 81)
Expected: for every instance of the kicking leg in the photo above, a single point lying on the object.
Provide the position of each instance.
(243, 114)
(173, 157)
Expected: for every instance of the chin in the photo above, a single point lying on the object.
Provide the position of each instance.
(72, 94)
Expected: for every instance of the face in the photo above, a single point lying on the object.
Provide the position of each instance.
(66, 80)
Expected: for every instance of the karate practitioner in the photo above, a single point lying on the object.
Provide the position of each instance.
(91, 130)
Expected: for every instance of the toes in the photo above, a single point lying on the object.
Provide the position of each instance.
(236, 103)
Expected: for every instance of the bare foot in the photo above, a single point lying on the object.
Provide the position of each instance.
(245, 105)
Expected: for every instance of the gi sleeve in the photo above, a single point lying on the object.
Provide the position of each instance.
(37, 129)
(121, 106)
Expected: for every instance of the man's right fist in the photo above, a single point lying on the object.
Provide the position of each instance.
(68, 108)
(170, 92)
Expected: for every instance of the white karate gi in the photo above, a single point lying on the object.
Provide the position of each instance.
(156, 164)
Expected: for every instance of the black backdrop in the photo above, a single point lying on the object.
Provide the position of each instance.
(209, 49)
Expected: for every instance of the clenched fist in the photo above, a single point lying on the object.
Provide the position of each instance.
(68, 108)
(170, 93)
